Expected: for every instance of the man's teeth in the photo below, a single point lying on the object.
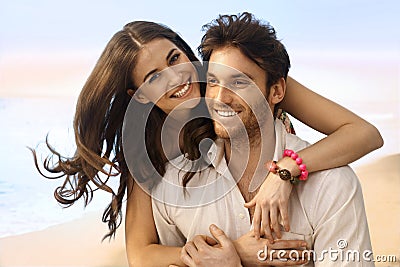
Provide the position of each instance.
(226, 113)
(183, 91)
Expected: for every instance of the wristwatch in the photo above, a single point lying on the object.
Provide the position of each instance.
(285, 175)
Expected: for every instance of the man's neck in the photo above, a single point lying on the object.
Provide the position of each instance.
(246, 155)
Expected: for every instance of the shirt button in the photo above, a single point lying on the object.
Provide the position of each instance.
(241, 216)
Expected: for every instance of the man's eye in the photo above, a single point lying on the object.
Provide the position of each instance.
(240, 83)
(212, 81)
(154, 77)
(174, 58)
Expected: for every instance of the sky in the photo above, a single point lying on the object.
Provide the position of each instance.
(67, 37)
(58, 25)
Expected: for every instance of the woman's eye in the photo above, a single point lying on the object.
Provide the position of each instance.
(174, 58)
(154, 77)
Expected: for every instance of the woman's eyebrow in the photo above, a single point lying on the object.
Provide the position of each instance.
(152, 71)
(170, 53)
(148, 74)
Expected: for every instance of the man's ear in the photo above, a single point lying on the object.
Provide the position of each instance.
(139, 97)
(277, 92)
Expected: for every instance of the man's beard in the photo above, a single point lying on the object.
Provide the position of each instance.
(251, 126)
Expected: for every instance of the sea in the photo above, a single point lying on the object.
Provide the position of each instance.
(26, 198)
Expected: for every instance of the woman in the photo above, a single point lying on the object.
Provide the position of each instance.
(100, 110)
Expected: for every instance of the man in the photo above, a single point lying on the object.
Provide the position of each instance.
(246, 77)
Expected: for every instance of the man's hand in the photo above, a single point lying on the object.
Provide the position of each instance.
(205, 251)
(260, 252)
(271, 201)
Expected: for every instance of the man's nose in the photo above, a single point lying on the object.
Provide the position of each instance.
(224, 95)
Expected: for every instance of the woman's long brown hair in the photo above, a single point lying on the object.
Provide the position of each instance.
(98, 125)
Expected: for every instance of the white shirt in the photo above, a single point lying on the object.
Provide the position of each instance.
(327, 211)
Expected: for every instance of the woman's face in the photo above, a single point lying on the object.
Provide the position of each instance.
(164, 76)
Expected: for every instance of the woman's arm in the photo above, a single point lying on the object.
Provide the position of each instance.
(142, 246)
(349, 137)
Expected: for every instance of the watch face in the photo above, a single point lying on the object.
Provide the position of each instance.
(285, 174)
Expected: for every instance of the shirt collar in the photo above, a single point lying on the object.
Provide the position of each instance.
(216, 155)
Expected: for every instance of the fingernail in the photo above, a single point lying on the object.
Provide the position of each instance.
(213, 227)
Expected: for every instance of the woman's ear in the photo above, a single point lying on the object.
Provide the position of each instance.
(139, 97)
(277, 92)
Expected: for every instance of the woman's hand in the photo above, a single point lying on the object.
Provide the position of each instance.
(260, 252)
(270, 202)
(205, 251)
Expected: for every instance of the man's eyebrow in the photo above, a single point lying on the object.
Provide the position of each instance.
(210, 74)
(243, 75)
(239, 75)
(152, 71)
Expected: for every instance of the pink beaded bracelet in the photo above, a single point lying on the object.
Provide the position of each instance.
(299, 161)
(283, 173)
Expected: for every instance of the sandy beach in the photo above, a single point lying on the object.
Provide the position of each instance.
(78, 243)
(381, 184)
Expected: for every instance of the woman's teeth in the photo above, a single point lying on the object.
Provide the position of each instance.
(183, 91)
(226, 113)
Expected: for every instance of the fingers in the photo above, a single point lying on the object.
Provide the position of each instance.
(251, 203)
(266, 226)
(289, 257)
(257, 222)
(200, 242)
(282, 262)
(220, 236)
(283, 208)
(210, 241)
(190, 248)
(187, 252)
(274, 222)
(288, 244)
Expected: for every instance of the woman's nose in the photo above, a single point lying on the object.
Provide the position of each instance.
(174, 76)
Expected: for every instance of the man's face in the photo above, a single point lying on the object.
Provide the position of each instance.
(236, 93)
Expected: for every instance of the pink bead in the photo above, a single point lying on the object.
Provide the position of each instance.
(288, 152)
(294, 155)
(304, 175)
(299, 161)
(302, 167)
(272, 166)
